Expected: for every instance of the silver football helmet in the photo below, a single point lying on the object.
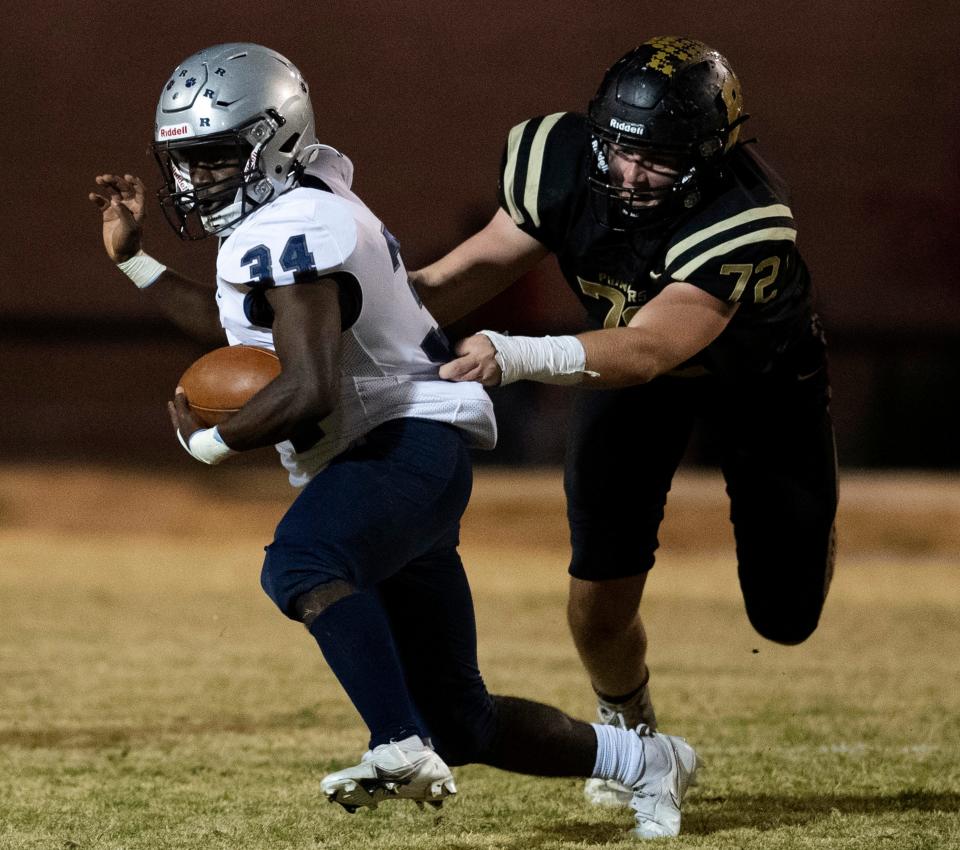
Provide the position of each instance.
(230, 107)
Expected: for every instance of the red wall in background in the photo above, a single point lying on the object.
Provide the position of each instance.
(856, 103)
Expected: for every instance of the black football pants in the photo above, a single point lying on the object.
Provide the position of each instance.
(776, 447)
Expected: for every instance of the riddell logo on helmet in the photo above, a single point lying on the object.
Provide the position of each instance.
(177, 132)
(626, 126)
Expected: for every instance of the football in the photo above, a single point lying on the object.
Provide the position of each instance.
(223, 381)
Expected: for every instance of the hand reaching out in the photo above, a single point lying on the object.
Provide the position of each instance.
(121, 202)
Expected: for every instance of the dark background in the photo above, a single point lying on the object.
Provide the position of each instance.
(857, 104)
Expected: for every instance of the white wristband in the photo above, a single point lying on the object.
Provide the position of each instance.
(142, 269)
(207, 446)
(548, 359)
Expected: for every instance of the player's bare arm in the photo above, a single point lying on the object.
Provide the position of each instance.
(679, 322)
(478, 269)
(306, 335)
(187, 303)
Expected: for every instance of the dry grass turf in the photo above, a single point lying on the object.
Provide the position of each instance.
(151, 697)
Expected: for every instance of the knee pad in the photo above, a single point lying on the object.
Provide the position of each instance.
(270, 585)
(786, 607)
(310, 605)
(285, 578)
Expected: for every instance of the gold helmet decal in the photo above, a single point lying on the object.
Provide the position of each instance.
(670, 52)
(733, 98)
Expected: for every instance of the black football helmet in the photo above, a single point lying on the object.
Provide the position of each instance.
(672, 98)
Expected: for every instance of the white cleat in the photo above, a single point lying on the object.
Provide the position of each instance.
(607, 792)
(391, 771)
(656, 803)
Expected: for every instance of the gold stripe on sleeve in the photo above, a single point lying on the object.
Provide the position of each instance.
(773, 211)
(770, 234)
(510, 170)
(531, 190)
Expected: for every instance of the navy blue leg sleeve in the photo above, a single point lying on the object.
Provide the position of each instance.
(431, 613)
(356, 641)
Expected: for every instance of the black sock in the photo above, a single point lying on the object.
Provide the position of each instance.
(540, 740)
(625, 698)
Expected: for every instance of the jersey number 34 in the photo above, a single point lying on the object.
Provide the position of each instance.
(295, 258)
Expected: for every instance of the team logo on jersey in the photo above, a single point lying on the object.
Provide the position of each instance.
(619, 298)
(180, 131)
(632, 296)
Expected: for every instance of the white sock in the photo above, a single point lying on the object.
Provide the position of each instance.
(627, 757)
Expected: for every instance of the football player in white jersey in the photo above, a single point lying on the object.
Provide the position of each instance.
(366, 556)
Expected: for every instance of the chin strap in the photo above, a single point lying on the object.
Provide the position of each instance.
(314, 149)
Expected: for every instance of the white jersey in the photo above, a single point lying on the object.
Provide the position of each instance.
(392, 350)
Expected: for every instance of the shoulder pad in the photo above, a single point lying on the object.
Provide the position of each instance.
(541, 169)
(304, 233)
(727, 255)
(688, 251)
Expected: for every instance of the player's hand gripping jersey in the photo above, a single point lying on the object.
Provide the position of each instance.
(738, 244)
(391, 346)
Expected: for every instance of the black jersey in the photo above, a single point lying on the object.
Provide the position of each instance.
(738, 243)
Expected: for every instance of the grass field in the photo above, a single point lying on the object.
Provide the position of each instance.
(151, 697)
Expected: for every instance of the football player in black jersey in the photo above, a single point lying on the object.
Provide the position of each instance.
(680, 243)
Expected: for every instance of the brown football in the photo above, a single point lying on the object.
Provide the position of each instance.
(223, 381)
